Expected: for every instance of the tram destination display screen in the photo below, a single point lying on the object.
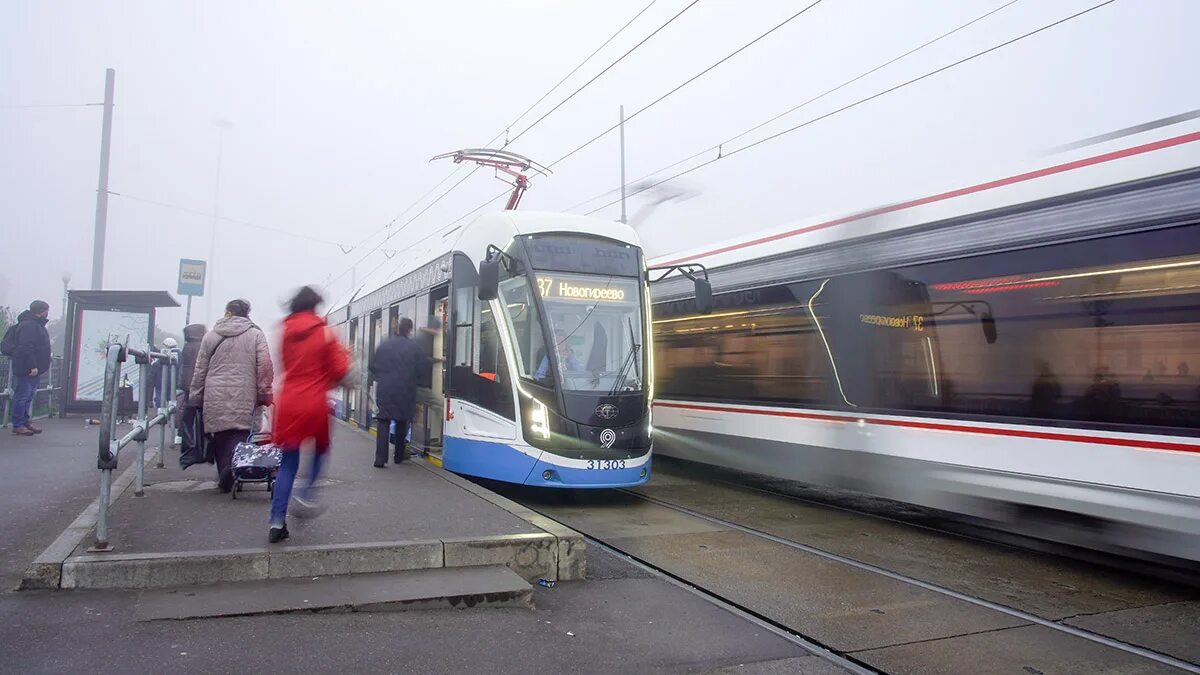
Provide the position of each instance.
(579, 254)
(586, 289)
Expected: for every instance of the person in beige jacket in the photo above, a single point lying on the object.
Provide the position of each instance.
(231, 382)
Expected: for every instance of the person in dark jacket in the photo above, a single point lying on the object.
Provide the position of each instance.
(192, 335)
(30, 360)
(397, 368)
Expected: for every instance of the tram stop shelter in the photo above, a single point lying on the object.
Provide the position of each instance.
(95, 319)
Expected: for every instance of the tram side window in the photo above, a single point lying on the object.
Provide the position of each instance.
(756, 345)
(480, 372)
(1099, 331)
(493, 387)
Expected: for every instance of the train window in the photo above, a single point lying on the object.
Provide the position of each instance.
(492, 388)
(524, 323)
(756, 345)
(1100, 331)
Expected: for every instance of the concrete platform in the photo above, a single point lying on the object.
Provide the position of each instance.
(487, 586)
(405, 517)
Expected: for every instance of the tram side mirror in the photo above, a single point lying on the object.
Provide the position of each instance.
(704, 299)
(988, 322)
(489, 279)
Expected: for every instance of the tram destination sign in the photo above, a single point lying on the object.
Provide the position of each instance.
(611, 290)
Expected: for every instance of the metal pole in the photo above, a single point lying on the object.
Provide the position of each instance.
(173, 366)
(110, 77)
(212, 245)
(187, 317)
(623, 219)
(163, 409)
(143, 379)
(102, 520)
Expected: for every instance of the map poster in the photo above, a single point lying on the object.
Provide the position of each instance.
(98, 329)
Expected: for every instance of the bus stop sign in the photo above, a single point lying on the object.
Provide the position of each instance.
(191, 276)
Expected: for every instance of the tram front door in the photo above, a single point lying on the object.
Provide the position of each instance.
(427, 428)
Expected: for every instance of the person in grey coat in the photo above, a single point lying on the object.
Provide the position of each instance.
(396, 368)
(232, 382)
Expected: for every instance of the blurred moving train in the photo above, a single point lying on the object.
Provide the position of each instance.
(1025, 350)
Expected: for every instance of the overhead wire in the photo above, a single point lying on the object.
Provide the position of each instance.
(808, 102)
(607, 68)
(859, 102)
(552, 89)
(685, 83)
(206, 214)
(49, 105)
(444, 230)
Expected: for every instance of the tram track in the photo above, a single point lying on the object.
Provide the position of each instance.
(955, 525)
(1164, 659)
(676, 552)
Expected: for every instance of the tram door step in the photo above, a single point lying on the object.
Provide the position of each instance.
(436, 588)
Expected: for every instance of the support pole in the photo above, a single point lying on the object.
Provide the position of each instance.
(102, 519)
(164, 408)
(110, 77)
(143, 379)
(173, 367)
(623, 218)
(187, 317)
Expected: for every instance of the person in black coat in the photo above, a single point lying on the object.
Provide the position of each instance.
(30, 360)
(397, 368)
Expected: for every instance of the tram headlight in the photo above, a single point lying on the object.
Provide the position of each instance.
(539, 419)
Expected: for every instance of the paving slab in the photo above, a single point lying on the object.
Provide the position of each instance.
(624, 624)
(411, 516)
(45, 483)
(183, 511)
(837, 605)
(1047, 586)
(1173, 629)
(1028, 650)
(491, 586)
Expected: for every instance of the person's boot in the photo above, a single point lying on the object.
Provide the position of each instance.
(277, 534)
(33, 428)
(23, 431)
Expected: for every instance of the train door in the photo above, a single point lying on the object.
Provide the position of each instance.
(882, 341)
(351, 388)
(432, 308)
(377, 336)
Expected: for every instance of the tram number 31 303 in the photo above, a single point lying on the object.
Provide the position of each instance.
(605, 464)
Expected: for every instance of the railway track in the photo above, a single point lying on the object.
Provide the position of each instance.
(892, 619)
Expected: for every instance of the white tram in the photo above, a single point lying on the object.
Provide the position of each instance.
(540, 328)
(1025, 350)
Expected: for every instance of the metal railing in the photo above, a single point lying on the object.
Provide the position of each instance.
(46, 399)
(110, 445)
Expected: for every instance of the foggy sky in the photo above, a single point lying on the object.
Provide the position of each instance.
(336, 108)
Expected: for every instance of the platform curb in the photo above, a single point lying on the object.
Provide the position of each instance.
(529, 555)
(46, 570)
(555, 552)
(570, 547)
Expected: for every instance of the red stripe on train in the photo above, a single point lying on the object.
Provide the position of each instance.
(1019, 178)
(939, 426)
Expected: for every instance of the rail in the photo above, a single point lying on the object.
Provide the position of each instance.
(110, 444)
(45, 399)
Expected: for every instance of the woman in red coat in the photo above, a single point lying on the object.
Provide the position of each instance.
(313, 363)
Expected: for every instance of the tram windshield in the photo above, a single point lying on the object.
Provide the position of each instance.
(595, 323)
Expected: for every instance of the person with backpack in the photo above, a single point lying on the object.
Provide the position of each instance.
(28, 345)
(231, 383)
(313, 362)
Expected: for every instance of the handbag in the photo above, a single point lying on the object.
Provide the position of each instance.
(194, 444)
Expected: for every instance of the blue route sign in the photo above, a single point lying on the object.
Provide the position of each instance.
(191, 276)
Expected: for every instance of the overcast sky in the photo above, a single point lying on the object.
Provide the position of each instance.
(337, 107)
